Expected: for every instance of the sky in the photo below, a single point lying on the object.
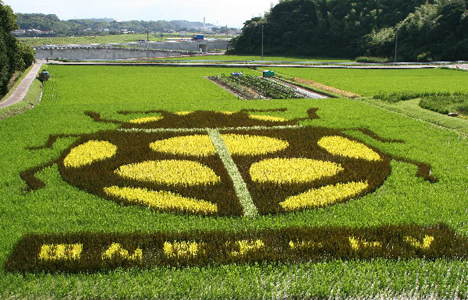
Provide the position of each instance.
(231, 13)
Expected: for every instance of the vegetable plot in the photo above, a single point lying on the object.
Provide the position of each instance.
(253, 87)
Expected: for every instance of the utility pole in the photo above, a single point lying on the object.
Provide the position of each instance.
(398, 27)
(396, 44)
(147, 43)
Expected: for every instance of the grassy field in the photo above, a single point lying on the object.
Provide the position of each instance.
(374, 82)
(369, 83)
(105, 39)
(404, 199)
(119, 38)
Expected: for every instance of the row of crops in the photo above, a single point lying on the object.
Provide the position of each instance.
(253, 87)
(441, 102)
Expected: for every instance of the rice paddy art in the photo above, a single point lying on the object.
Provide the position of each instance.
(225, 164)
(222, 163)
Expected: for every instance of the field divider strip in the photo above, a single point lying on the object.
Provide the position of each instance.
(240, 187)
(433, 124)
(150, 130)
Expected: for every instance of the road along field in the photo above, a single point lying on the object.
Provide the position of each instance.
(140, 182)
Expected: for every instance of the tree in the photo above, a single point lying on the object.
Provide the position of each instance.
(349, 28)
(14, 56)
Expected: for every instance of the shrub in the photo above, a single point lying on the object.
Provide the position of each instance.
(446, 103)
(372, 59)
(424, 57)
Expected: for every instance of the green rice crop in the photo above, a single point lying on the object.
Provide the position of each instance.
(374, 82)
(403, 199)
(445, 104)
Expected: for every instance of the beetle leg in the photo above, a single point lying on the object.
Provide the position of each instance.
(424, 170)
(51, 141)
(97, 117)
(375, 136)
(29, 176)
(311, 113)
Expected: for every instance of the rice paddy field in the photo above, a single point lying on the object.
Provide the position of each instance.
(154, 182)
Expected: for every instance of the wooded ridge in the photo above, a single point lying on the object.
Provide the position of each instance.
(426, 30)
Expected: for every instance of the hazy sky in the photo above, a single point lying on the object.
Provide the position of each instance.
(232, 13)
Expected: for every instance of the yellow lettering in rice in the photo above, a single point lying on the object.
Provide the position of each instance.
(425, 244)
(247, 247)
(183, 249)
(357, 243)
(305, 245)
(117, 251)
(60, 252)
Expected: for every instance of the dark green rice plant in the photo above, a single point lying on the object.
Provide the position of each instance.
(444, 104)
(407, 95)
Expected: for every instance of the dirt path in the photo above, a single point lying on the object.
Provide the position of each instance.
(18, 94)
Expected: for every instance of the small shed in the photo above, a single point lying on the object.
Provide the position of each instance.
(268, 73)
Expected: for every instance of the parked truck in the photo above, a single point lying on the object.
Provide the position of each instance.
(198, 37)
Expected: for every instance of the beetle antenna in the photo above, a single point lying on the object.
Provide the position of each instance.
(97, 118)
(375, 136)
(51, 141)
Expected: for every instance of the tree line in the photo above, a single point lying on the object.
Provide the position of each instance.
(423, 29)
(56, 27)
(14, 55)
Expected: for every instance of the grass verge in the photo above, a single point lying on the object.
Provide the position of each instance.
(30, 100)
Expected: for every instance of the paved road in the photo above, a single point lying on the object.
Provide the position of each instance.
(18, 94)
(247, 64)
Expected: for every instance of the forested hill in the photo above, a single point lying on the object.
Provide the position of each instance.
(427, 30)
